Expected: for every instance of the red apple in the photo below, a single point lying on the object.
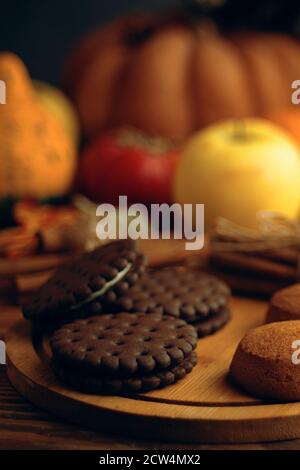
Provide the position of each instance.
(126, 162)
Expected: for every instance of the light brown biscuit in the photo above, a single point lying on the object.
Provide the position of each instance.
(265, 363)
(285, 305)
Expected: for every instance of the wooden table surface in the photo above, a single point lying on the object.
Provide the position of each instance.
(23, 426)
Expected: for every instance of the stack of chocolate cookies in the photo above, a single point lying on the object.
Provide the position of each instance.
(119, 327)
(124, 352)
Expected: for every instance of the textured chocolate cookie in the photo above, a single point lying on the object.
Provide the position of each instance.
(82, 285)
(93, 384)
(213, 323)
(285, 305)
(182, 293)
(266, 362)
(122, 345)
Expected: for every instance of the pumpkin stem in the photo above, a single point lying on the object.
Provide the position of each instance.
(206, 27)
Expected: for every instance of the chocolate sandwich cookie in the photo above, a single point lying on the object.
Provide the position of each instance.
(213, 323)
(182, 293)
(123, 352)
(110, 386)
(81, 286)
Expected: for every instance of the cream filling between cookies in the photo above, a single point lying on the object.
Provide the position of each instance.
(104, 289)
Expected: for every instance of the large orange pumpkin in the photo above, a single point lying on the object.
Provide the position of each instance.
(169, 77)
(287, 118)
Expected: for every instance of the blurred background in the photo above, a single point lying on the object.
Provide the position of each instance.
(58, 24)
(162, 101)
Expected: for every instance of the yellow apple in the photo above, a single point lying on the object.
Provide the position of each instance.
(60, 107)
(237, 168)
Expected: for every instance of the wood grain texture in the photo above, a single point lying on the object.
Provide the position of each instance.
(203, 407)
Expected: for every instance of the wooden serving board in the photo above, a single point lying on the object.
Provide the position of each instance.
(203, 407)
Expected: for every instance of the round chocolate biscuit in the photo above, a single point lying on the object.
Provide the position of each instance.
(123, 345)
(152, 381)
(180, 292)
(81, 286)
(213, 323)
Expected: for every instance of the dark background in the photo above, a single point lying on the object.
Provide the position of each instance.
(42, 32)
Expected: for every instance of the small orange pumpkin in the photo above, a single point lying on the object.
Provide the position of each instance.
(37, 156)
(169, 77)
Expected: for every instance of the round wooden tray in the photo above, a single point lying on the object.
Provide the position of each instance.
(203, 407)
